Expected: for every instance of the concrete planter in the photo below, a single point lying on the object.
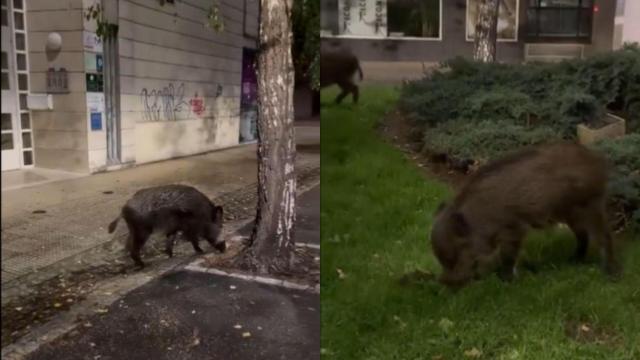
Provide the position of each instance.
(614, 127)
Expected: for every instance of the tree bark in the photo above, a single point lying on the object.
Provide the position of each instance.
(272, 241)
(486, 30)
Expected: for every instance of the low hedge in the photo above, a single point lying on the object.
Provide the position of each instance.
(559, 95)
(484, 140)
(624, 185)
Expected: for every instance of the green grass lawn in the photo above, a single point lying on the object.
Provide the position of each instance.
(376, 214)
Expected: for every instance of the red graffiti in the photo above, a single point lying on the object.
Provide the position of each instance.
(197, 105)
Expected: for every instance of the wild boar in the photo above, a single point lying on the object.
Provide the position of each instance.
(339, 67)
(170, 209)
(537, 186)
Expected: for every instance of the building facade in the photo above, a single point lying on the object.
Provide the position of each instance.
(166, 85)
(429, 31)
(627, 23)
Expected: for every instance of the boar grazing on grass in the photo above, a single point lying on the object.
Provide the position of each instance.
(339, 67)
(486, 222)
(170, 209)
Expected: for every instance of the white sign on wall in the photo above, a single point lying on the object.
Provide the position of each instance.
(95, 102)
(91, 41)
(363, 17)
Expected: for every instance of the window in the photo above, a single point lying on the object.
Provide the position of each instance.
(5, 81)
(559, 19)
(23, 82)
(20, 42)
(620, 8)
(24, 121)
(18, 21)
(6, 121)
(26, 140)
(7, 141)
(22, 61)
(23, 102)
(507, 19)
(5, 61)
(27, 157)
(381, 18)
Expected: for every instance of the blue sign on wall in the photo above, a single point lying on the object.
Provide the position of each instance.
(96, 121)
(99, 63)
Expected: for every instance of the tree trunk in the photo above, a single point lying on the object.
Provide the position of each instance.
(272, 242)
(486, 31)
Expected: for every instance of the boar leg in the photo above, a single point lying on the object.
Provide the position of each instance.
(140, 236)
(347, 88)
(582, 241)
(599, 230)
(510, 241)
(192, 237)
(168, 244)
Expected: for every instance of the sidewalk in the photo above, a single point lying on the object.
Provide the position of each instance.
(195, 315)
(71, 215)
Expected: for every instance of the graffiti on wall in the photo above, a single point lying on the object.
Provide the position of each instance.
(163, 104)
(170, 104)
(197, 105)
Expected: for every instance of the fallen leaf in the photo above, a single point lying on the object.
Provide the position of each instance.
(88, 324)
(232, 287)
(19, 308)
(585, 328)
(341, 274)
(473, 353)
(57, 305)
(193, 311)
(92, 344)
(445, 324)
(237, 326)
(102, 311)
(246, 334)
(259, 327)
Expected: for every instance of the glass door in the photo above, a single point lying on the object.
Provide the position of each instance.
(9, 125)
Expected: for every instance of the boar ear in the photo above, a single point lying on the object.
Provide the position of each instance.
(218, 212)
(460, 225)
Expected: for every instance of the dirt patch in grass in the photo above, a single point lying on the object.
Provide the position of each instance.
(398, 130)
(586, 332)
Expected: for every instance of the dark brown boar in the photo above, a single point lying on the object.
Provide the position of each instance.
(487, 220)
(170, 209)
(339, 67)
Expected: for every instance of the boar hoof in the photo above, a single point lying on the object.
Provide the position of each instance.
(613, 271)
(139, 267)
(507, 274)
(222, 246)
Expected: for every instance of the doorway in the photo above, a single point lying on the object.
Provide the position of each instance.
(17, 148)
(249, 98)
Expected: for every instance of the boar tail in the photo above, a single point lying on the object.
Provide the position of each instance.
(216, 211)
(113, 224)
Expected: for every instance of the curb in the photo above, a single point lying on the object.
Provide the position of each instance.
(195, 266)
